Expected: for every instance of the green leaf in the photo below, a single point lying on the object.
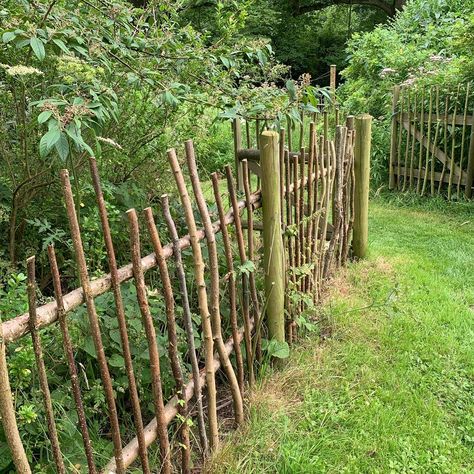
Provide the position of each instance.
(61, 45)
(22, 43)
(88, 346)
(115, 336)
(44, 116)
(278, 349)
(38, 47)
(76, 136)
(246, 268)
(169, 99)
(8, 36)
(116, 361)
(290, 85)
(5, 458)
(225, 62)
(48, 140)
(262, 59)
(62, 146)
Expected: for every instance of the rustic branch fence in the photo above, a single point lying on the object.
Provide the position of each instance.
(432, 141)
(309, 205)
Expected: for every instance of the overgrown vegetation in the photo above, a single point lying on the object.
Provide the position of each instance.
(388, 386)
(123, 84)
(427, 43)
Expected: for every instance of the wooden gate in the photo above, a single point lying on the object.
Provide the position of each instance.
(432, 141)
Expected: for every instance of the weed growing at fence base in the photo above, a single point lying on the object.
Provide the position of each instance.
(391, 388)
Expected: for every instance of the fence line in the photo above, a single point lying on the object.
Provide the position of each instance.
(308, 217)
(429, 152)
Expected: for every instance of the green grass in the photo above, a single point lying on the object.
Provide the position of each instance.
(391, 390)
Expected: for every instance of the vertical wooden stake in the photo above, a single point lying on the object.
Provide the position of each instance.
(453, 146)
(301, 129)
(433, 145)
(445, 134)
(68, 349)
(413, 139)
(428, 139)
(289, 124)
(121, 318)
(147, 320)
(400, 139)
(231, 283)
(282, 176)
(463, 139)
(245, 280)
(202, 298)
(470, 167)
(214, 310)
(422, 134)
(173, 354)
(326, 127)
(237, 146)
(332, 73)
(257, 351)
(7, 414)
(187, 319)
(363, 125)
(93, 319)
(42, 376)
(407, 148)
(272, 238)
(394, 136)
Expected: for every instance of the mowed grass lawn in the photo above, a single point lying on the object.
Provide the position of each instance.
(390, 388)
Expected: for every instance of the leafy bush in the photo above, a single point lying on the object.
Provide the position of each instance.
(117, 83)
(426, 44)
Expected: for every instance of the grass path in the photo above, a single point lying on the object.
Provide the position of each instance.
(391, 390)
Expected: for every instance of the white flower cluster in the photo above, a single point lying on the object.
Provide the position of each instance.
(109, 141)
(409, 82)
(386, 71)
(437, 58)
(21, 70)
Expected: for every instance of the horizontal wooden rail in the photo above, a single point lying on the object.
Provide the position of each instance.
(17, 327)
(47, 314)
(253, 154)
(446, 160)
(130, 451)
(249, 154)
(459, 120)
(417, 172)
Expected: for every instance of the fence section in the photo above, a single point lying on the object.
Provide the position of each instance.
(308, 215)
(432, 141)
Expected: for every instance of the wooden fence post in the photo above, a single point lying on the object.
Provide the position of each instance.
(273, 252)
(363, 127)
(350, 122)
(470, 168)
(393, 137)
(7, 414)
(237, 146)
(332, 82)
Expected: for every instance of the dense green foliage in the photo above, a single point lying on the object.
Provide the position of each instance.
(120, 83)
(311, 42)
(388, 387)
(428, 43)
